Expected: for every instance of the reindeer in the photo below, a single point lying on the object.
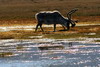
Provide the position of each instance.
(54, 17)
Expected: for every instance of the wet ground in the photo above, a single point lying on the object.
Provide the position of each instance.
(30, 27)
(50, 53)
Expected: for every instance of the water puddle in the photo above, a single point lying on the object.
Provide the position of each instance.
(49, 53)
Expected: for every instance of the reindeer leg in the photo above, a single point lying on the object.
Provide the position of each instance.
(63, 26)
(54, 27)
(41, 27)
(68, 26)
(36, 27)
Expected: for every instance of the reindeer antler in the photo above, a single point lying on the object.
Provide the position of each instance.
(71, 12)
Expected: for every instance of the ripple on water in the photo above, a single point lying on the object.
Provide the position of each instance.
(26, 53)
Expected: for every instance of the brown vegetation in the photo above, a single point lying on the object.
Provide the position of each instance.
(6, 54)
(78, 31)
(16, 10)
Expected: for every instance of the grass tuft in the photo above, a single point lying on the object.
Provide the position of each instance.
(5, 54)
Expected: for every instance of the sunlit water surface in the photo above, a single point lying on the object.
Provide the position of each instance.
(29, 53)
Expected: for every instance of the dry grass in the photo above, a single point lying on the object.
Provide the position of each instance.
(16, 10)
(17, 22)
(78, 31)
(21, 34)
(16, 13)
(97, 40)
(88, 29)
(5, 54)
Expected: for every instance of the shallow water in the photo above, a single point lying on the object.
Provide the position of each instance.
(27, 53)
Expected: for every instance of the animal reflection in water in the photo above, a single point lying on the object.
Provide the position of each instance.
(53, 46)
(54, 17)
